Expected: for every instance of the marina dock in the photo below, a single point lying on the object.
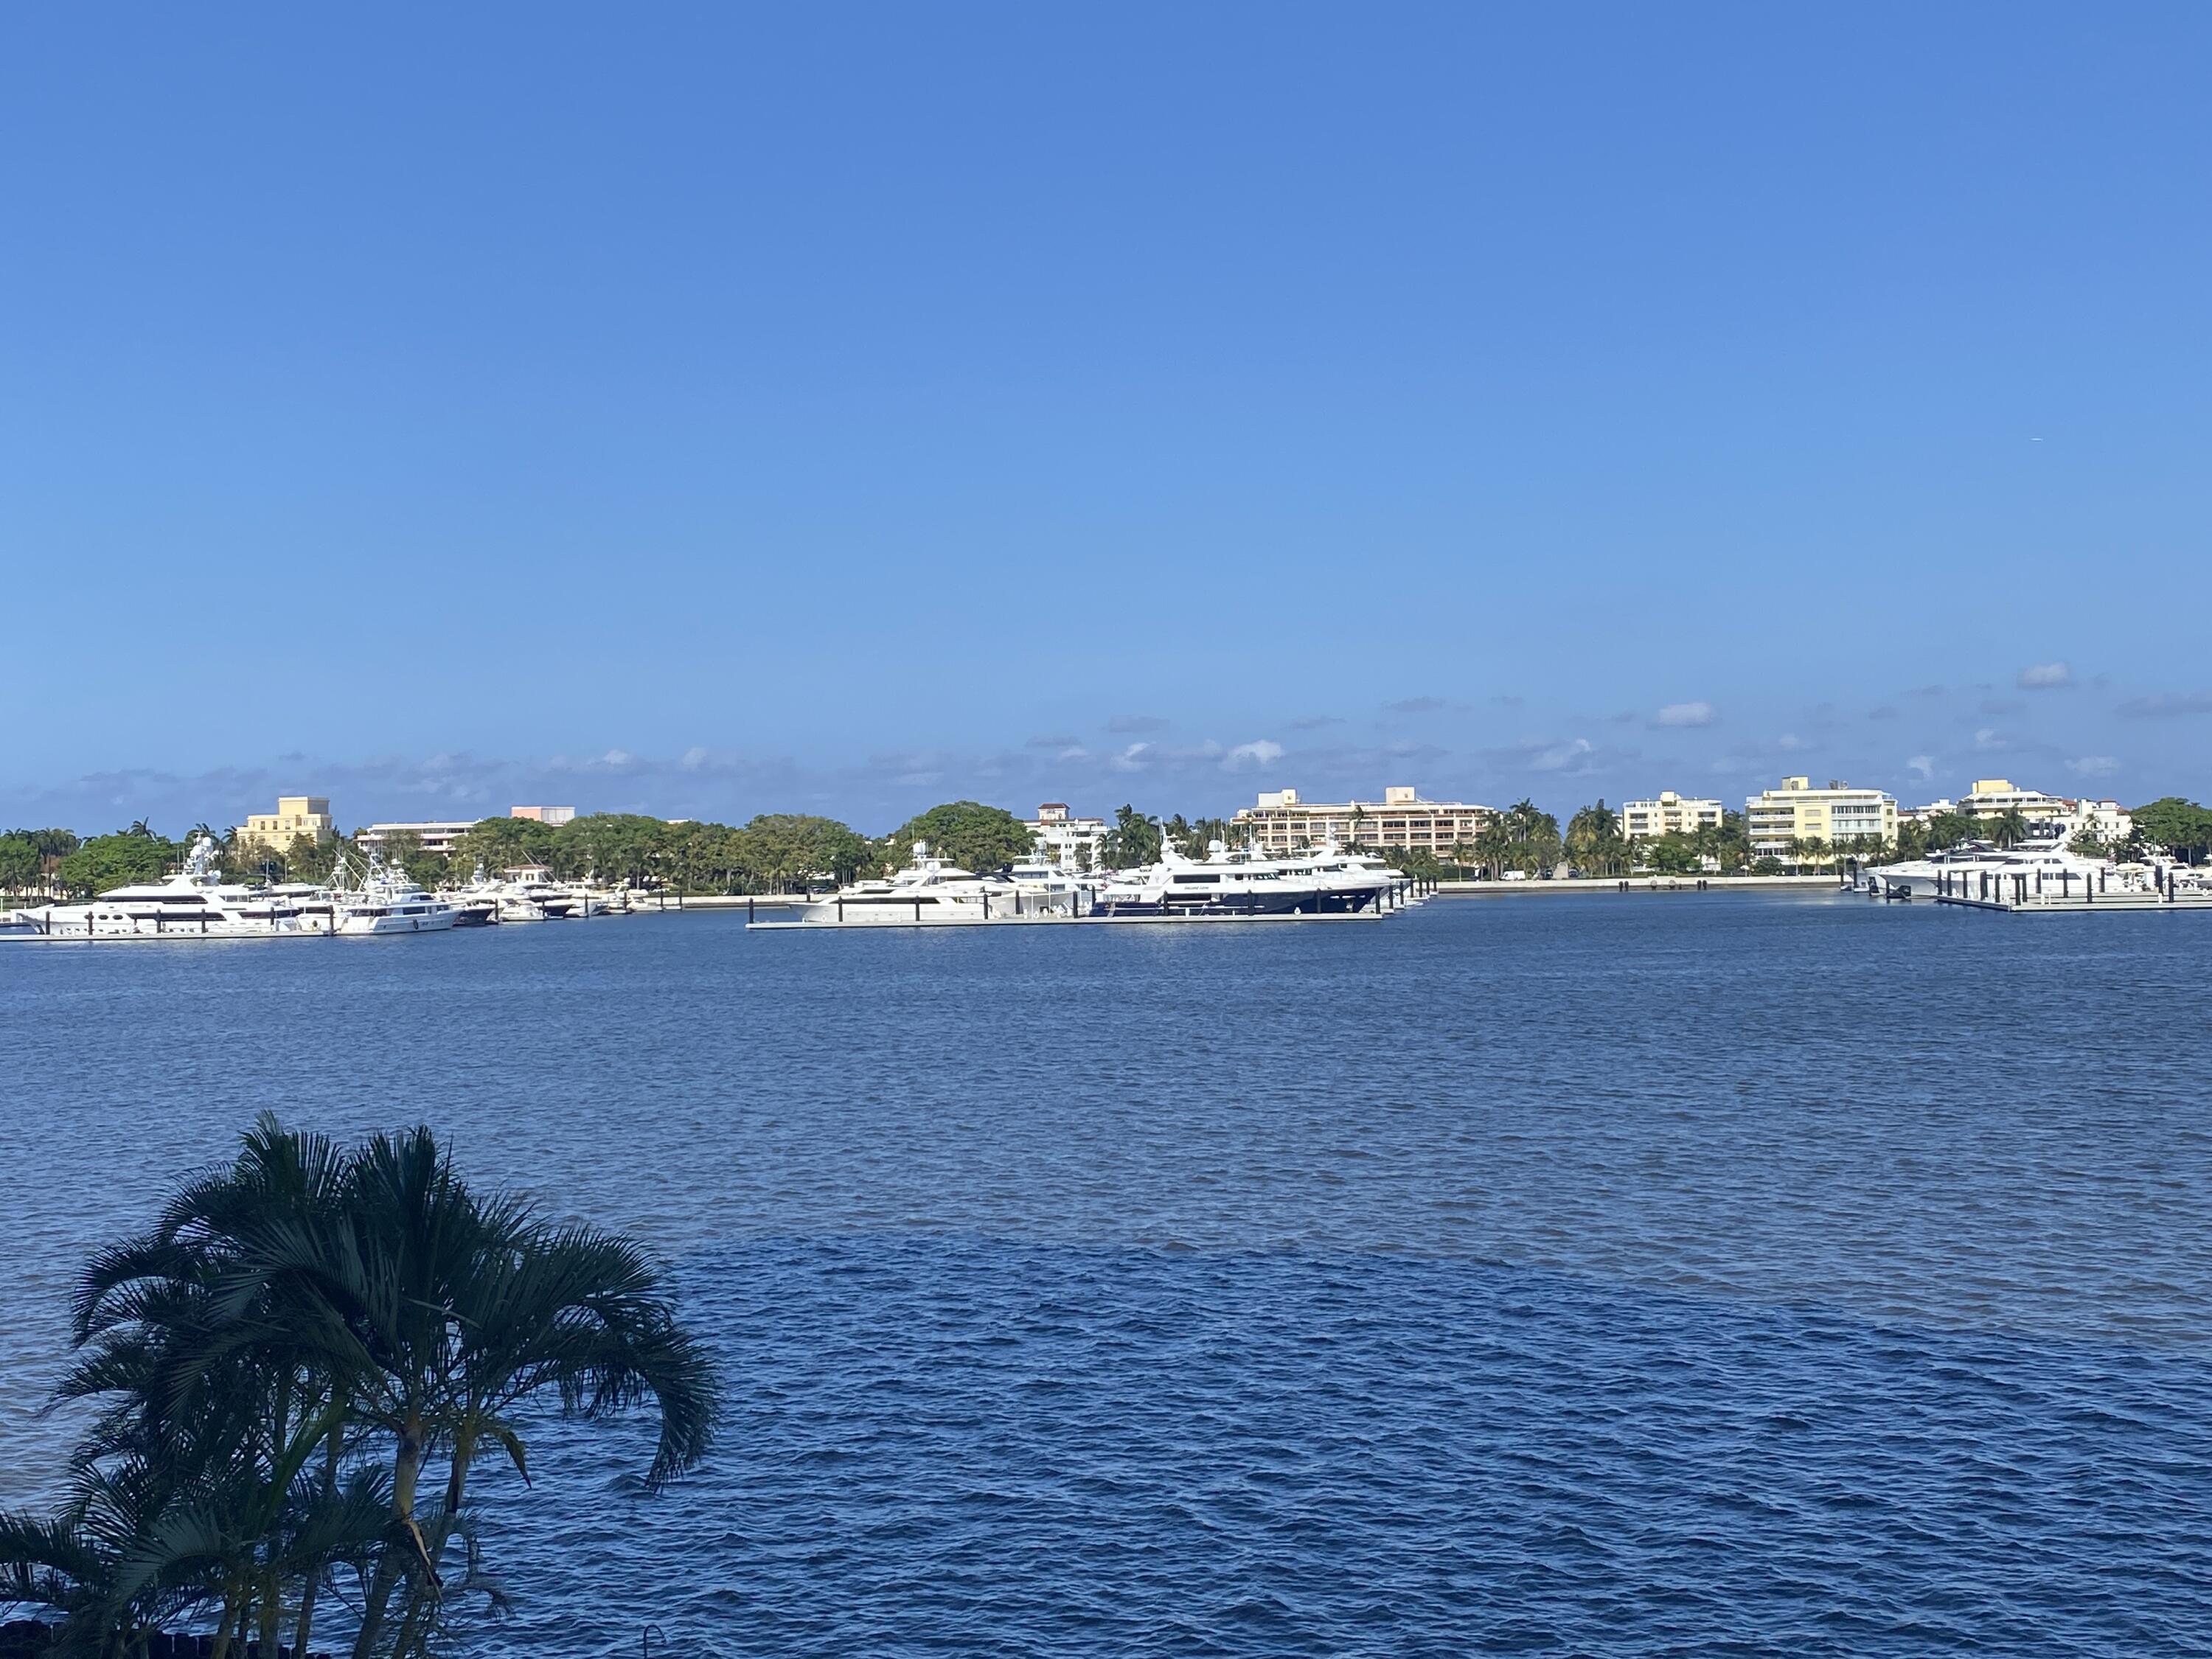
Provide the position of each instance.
(2052, 903)
(2012, 893)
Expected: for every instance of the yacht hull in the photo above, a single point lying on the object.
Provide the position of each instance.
(927, 912)
(74, 922)
(363, 927)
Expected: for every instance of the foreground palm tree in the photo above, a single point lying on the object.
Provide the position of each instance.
(283, 1357)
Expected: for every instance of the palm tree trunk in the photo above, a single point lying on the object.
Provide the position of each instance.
(457, 1479)
(410, 1628)
(422, 1603)
(306, 1622)
(375, 1601)
(301, 1630)
(232, 1620)
(272, 1610)
(406, 1471)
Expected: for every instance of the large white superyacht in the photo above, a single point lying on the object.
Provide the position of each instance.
(194, 903)
(1245, 882)
(2044, 859)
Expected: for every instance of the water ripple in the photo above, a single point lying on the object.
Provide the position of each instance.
(1719, 1275)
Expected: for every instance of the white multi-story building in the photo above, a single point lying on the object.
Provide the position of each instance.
(1669, 814)
(1402, 818)
(552, 816)
(2107, 820)
(1779, 818)
(1072, 843)
(434, 838)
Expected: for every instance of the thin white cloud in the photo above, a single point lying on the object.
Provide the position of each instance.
(2094, 766)
(1131, 759)
(1923, 768)
(1989, 738)
(2166, 705)
(1563, 756)
(1261, 751)
(2046, 676)
(1685, 713)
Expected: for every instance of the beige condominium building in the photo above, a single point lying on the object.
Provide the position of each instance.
(1669, 814)
(1993, 798)
(549, 815)
(1778, 818)
(1402, 818)
(296, 815)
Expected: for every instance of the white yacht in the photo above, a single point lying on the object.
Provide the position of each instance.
(194, 903)
(529, 895)
(1045, 886)
(585, 900)
(387, 900)
(931, 893)
(2043, 860)
(1244, 882)
(611, 901)
(1350, 880)
(1226, 884)
(476, 902)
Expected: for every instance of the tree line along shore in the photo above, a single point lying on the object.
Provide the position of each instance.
(783, 852)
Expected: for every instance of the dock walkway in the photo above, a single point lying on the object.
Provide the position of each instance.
(2015, 892)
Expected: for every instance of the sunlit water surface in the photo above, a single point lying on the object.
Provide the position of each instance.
(1673, 1275)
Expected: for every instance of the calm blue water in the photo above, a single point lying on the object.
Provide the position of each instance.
(1690, 1274)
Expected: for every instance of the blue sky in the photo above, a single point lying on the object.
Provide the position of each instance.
(716, 410)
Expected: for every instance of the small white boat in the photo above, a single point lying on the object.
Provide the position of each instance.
(528, 895)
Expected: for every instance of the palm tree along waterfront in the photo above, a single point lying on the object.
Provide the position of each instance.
(295, 1373)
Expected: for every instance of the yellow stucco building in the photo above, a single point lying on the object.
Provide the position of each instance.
(295, 815)
(1779, 818)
